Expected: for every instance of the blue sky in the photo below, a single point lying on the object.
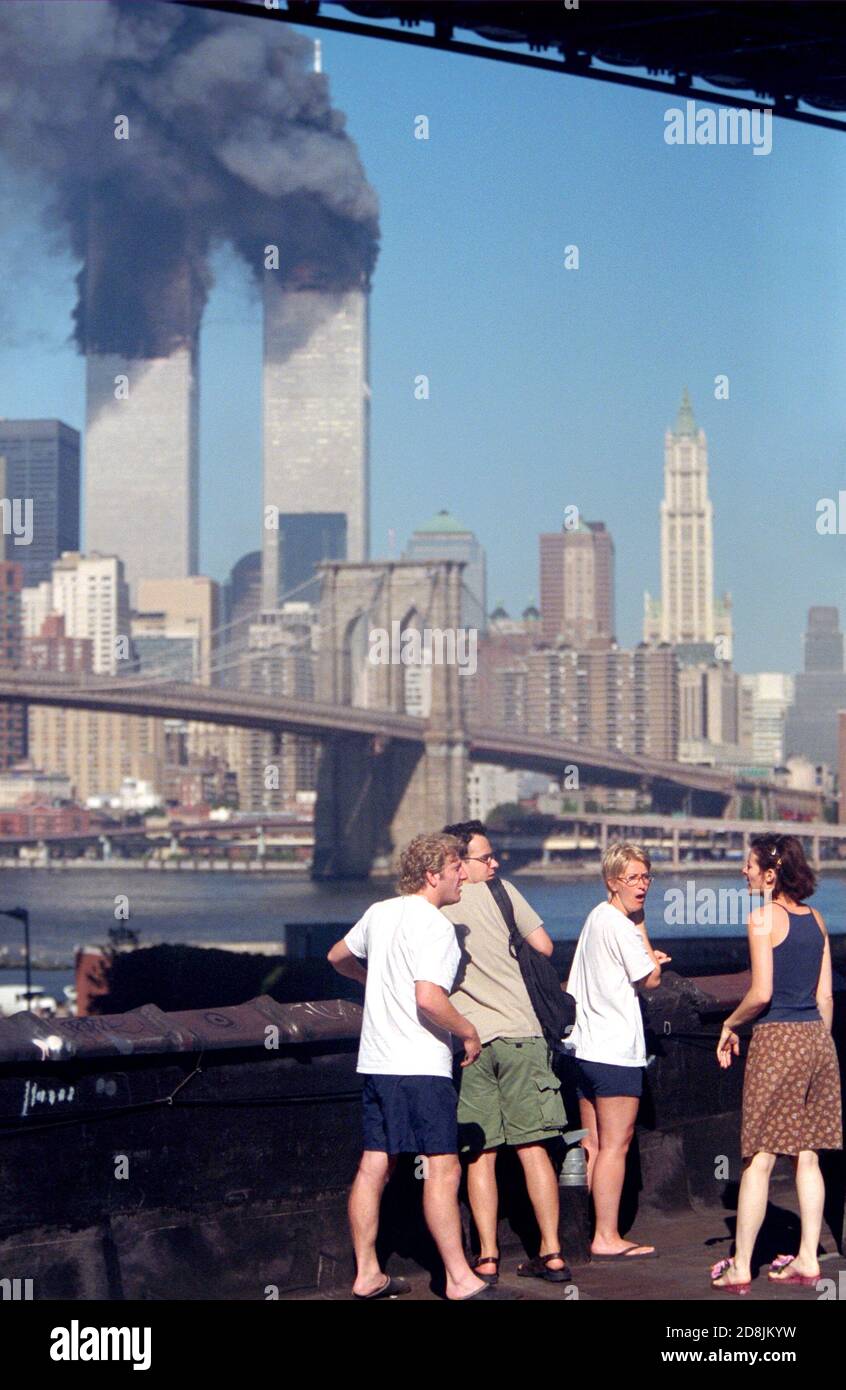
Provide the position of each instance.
(548, 386)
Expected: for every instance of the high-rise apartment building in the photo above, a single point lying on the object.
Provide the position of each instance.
(91, 594)
(39, 485)
(142, 463)
(13, 721)
(765, 698)
(687, 611)
(611, 700)
(279, 660)
(444, 538)
(316, 404)
(577, 584)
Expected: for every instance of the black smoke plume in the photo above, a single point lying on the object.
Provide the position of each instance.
(232, 137)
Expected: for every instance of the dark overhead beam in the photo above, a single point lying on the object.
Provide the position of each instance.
(677, 83)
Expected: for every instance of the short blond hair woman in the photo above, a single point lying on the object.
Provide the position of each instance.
(613, 958)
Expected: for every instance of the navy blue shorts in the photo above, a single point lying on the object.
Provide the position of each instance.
(603, 1079)
(410, 1114)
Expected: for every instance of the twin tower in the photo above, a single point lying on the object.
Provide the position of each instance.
(142, 446)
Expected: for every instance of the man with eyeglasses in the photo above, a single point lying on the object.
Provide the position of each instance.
(511, 1094)
(613, 959)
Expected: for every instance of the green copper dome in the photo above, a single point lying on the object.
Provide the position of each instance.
(443, 522)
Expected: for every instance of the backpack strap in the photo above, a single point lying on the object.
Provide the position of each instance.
(503, 901)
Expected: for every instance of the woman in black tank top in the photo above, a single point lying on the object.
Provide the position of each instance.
(791, 1086)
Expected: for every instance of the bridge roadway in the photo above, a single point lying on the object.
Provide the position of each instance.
(236, 708)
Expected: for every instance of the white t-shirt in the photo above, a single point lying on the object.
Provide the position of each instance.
(610, 958)
(403, 940)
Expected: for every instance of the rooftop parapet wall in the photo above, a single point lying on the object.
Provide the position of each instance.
(207, 1153)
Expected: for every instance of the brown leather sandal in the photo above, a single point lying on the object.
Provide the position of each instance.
(486, 1260)
(538, 1268)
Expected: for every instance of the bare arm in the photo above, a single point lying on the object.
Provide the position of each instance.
(433, 1001)
(650, 981)
(760, 991)
(342, 959)
(825, 988)
(540, 940)
(657, 957)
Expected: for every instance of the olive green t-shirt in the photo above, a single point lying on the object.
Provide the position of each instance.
(489, 988)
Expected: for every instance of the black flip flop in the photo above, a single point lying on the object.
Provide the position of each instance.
(624, 1255)
(392, 1289)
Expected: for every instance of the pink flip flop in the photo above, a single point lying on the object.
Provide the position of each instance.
(720, 1268)
(807, 1281)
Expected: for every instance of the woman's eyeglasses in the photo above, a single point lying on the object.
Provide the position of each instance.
(634, 879)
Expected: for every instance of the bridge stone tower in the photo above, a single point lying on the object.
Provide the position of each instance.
(375, 794)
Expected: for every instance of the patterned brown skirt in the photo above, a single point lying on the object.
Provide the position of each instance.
(791, 1090)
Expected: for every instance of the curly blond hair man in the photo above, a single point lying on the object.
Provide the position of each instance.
(405, 954)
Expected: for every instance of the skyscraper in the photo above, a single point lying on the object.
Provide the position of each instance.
(444, 538)
(765, 698)
(811, 723)
(316, 434)
(687, 612)
(577, 584)
(823, 640)
(42, 468)
(142, 463)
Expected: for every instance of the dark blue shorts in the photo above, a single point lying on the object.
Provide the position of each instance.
(603, 1079)
(410, 1114)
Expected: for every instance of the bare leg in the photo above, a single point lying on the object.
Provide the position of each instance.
(616, 1117)
(810, 1189)
(363, 1209)
(484, 1202)
(440, 1207)
(590, 1143)
(542, 1187)
(751, 1207)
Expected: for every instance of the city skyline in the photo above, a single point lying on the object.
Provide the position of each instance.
(594, 416)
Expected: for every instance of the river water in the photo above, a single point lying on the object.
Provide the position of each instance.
(75, 907)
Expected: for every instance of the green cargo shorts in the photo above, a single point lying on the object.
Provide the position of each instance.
(510, 1095)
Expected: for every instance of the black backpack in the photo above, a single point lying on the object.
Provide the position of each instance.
(555, 1009)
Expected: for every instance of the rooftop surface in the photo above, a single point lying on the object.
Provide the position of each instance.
(688, 1243)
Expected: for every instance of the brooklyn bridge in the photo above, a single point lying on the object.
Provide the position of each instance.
(385, 774)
